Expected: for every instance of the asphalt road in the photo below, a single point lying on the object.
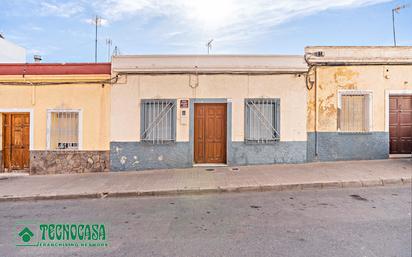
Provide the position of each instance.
(344, 222)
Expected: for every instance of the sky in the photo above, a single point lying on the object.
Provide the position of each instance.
(63, 31)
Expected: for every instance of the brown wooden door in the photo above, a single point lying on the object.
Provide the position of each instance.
(210, 133)
(16, 138)
(400, 124)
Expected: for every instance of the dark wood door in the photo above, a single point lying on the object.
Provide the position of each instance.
(210, 133)
(400, 124)
(16, 138)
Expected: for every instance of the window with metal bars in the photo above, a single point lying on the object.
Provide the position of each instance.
(262, 120)
(158, 118)
(354, 112)
(64, 130)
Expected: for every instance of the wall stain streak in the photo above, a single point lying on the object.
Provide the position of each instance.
(345, 77)
(326, 106)
(344, 73)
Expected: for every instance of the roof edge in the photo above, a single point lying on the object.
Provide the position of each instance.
(54, 68)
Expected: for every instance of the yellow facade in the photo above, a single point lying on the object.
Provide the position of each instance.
(92, 99)
(380, 80)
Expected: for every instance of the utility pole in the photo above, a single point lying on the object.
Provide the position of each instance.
(109, 44)
(97, 22)
(397, 9)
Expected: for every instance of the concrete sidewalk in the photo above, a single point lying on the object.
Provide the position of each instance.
(202, 180)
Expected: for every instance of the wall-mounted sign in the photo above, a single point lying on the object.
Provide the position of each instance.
(184, 103)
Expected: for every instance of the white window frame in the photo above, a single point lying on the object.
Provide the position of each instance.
(368, 93)
(80, 131)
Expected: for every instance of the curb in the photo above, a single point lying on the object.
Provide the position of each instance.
(198, 191)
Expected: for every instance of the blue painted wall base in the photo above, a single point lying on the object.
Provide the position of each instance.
(335, 146)
(144, 156)
(277, 152)
(332, 146)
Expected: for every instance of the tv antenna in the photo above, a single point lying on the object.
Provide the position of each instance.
(209, 46)
(397, 9)
(109, 45)
(116, 51)
(97, 21)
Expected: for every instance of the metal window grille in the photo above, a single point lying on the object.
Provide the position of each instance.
(262, 120)
(64, 130)
(158, 121)
(354, 113)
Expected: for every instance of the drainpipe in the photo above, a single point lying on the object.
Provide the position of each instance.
(33, 94)
(314, 66)
(316, 113)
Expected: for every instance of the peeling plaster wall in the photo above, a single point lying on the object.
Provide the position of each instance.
(331, 79)
(332, 145)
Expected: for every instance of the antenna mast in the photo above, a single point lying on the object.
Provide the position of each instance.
(109, 45)
(97, 23)
(209, 46)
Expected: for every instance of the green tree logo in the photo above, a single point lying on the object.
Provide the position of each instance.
(26, 234)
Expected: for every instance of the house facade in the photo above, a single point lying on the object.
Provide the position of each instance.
(54, 117)
(359, 102)
(178, 111)
(181, 111)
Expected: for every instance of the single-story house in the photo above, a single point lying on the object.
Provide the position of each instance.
(54, 118)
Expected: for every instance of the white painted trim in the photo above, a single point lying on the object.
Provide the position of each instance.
(369, 93)
(31, 112)
(210, 164)
(80, 131)
(389, 92)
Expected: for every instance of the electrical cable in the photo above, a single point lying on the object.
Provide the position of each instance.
(112, 80)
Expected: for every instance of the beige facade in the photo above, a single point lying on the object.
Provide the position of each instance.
(231, 79)
(93, 100)
(289, 88)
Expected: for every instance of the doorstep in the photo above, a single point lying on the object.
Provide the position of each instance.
(14, 174)
(210, 165)
(400, 156)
